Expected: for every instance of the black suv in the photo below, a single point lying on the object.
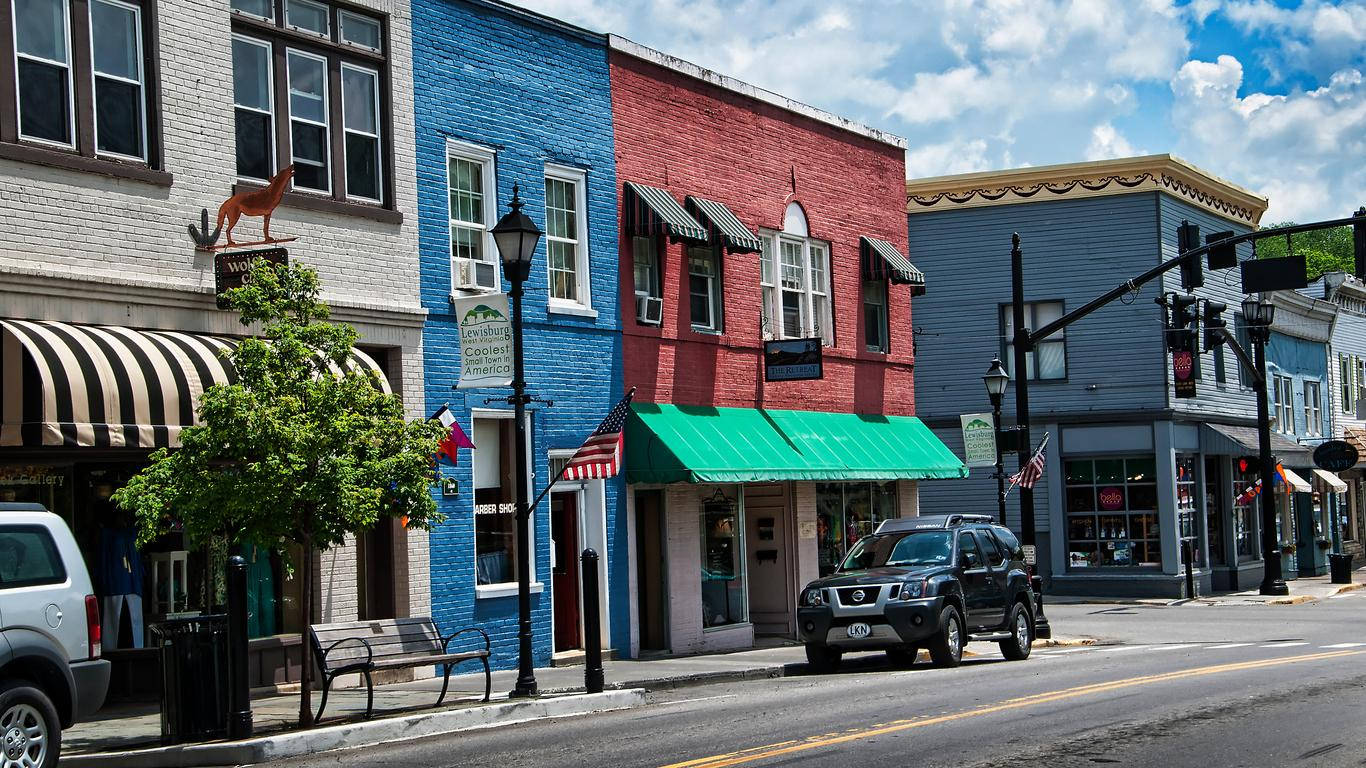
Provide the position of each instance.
(933, 582)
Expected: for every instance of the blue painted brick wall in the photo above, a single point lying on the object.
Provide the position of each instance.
(535, 93)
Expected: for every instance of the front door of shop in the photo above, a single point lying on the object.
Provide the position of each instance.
(771, 603)
(651, 595)
(564, 533)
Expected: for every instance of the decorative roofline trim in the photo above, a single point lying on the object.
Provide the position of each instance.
(675, 64)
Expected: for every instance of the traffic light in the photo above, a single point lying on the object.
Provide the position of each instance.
(1192, 271)
(1359, 243)
(1221, 256)
(1214, 323)
(1179, 335)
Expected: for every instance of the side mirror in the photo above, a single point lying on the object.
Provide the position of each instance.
(964, 560)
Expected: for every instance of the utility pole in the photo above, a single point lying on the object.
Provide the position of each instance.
(1023, 345)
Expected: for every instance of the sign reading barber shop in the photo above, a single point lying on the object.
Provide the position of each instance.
(485, 340)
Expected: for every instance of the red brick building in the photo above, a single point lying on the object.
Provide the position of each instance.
(746, 218)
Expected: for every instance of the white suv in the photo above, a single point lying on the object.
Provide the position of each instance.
(51, 673)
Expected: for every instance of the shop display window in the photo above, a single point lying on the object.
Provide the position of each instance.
(1186, 511)
(1214, 520)
(845, 513)
(495, 509)
(1245, 506)
(723, 561)
(1112, 519)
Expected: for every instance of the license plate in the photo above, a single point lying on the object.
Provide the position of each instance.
(859, 630)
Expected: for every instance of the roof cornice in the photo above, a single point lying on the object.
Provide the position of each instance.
(1122, 176)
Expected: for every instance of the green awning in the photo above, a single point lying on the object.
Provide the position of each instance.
(725, 227)
(697, 444)
(652, 211)
(882, 261)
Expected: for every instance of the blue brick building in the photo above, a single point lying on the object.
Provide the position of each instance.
(506, 97)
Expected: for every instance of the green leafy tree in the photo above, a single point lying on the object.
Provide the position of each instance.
(1325, 250)
(294, 451)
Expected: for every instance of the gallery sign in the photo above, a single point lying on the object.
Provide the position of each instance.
(979, 439)
(233, 268)
(792, 360)
(485, 340)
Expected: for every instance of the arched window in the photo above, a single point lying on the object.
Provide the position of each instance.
(794, 220)
(795, 276)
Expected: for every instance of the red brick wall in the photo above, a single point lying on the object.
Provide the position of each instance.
(693, 138)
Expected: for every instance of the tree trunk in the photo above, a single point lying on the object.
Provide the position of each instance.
(306, 607)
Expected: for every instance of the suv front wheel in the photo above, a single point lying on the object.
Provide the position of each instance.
(822, 658)
(1017, 646)
(30, 734)
(946, 650)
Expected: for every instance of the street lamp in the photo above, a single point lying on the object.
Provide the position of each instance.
(1258, 313)
(516, 236)
(996, 380)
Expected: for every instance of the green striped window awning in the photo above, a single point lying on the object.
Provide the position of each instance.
(882, 261)
(652, 211)
(724, 225)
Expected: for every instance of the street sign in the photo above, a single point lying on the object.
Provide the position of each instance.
(979, 439)
(1336, 456)
(1029, 554)
(1286, 273)
(1183, 372)
(792, 360)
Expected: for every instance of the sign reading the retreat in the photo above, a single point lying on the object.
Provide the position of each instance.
(485, 340)
(792, 360)
(1336, 456)
(979, 439)
(232, 268)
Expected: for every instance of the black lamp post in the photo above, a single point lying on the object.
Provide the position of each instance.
(516, 236)
(1258, 314)
(996, 380)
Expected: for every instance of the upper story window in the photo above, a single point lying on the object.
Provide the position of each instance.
(471, 200)
(1048, 359)
(1345, 384)
(794, 275)
(1313, 409)
(326, 69)
(1283, 391)
(566, 236)
(82, 78)
(704, 288)
(875, 315)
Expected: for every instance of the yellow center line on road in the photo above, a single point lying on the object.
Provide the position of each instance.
(779, 749)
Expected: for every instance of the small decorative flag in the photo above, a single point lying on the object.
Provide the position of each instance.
(600, 455)
(1030, 473)
(454, 441)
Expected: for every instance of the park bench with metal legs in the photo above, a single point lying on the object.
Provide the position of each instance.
(381, 644)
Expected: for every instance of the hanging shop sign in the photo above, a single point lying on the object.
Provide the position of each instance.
(485, 340)
(1336, 456)
(250, 202)
(793, 360)
(1183, 372)
(232, 269)
(979, 439)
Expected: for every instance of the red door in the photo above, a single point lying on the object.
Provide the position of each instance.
(564, 529)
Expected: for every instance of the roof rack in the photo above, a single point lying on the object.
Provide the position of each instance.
(930, 522)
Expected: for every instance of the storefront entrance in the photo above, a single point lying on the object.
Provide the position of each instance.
(770, 555)
(564, 533)
(652, 595)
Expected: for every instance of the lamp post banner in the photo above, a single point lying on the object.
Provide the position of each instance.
(485, 340)
(979, 439)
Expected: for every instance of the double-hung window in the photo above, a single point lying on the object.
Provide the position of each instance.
(470, 195)
(308, 118)
(1345, 384)
(645, 265)
(1048, 359)
(566, 236)
(704, 288)
(794, 275)
(1283, 388)
(254, 105)
(875, 315)
(1313, 413)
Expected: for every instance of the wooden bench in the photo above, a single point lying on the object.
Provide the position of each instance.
(368, 646)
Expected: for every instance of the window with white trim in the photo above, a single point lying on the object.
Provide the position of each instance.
(254, 104)
(471, 200)
(704, 288)
(495, 506)
(1283, 390)
(645, 265)
(308, 120)
(120, 93)
(1048, 359)
(1313, 414)
(360, 121)
(1345, 384)
(794, 276)
(566, 236)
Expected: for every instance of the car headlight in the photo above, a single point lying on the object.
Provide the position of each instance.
(912, 590)
(813, 597)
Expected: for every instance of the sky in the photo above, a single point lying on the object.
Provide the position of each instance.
(1268, 95)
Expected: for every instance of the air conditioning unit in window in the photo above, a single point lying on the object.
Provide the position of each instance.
(474, 276)
(649, 309)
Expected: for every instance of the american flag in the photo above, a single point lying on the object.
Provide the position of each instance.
(600, 455)
(1030, 473)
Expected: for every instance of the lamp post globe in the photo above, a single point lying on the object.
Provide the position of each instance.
(996, 380)
(1251, 310)
(1268, 313)
(516, 236)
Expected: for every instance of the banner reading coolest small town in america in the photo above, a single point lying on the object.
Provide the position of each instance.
(485, 341)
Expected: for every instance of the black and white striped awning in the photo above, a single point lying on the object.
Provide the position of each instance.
(724, 225)
(63, 384)
(882, 261)
(653, 211)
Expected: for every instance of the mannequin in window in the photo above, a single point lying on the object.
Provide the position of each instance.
(120, 574)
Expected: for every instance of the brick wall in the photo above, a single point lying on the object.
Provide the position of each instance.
(691, 137)
(534, 92)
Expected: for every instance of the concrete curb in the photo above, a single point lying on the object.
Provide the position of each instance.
(1293, 600)
(358, 734)
(1349, 588)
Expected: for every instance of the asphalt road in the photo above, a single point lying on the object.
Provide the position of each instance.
(1176, 686)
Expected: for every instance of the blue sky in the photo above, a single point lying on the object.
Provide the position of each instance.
(1269, 95)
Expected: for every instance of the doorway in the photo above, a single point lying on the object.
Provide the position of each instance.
(771, 603)
(375, 571)
(651, 571)
(564, 532)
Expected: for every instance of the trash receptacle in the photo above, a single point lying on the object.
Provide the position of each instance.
(194, 678)
(1340, 568)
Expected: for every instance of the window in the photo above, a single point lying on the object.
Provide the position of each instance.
(645, 262)
(1220, 372)
(1245, 509)
(1345, 384)
(470, 187)
(28, 557)
(968, 553)
(993, 555)
(1185, 500)
(1112, 519)
(1283, 403)
(566, 236)
(1359, 381)
(1245, 374)
(83, 80)
(796, 289)
(704, 288)
(1048, 360)
(875, 315)
(495, 508)
(723, 562)
(1313, 410)
(330, 84)
(1214, 518)
(845, 513)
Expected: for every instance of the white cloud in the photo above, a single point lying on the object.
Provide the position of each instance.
(1314, 37)
(961, 156)
(1107, 143)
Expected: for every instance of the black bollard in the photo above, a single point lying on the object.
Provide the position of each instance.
(239, 694)
(592, 623)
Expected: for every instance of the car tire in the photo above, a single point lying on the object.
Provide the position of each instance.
(28, 726)
(947, 648)
(902, 657)
(822, 659)
(1021, 639)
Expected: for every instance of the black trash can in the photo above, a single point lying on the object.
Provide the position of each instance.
(194, 678)
(1340, 568)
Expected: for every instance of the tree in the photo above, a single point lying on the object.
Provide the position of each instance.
(1325, 250)
(294, 451)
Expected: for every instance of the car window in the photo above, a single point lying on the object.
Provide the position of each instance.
(993, 553)
(967, 549)
(28, 557)
(1008, 542)
(909, 549)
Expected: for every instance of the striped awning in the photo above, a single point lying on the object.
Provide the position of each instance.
(723, 224)
(652, 211)
(881, 260)
(63, 384)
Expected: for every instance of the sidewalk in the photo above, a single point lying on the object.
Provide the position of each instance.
(1305, 589)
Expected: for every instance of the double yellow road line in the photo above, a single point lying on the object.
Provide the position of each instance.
(765, 752)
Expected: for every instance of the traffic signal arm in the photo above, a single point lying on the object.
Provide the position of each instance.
(1242, 354)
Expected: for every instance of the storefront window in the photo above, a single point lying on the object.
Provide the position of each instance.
(1185, 504)
(1214, 519)
(495, 518)
(1245, 502)
(723, 561)
(845, 513)
(1112, 516)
